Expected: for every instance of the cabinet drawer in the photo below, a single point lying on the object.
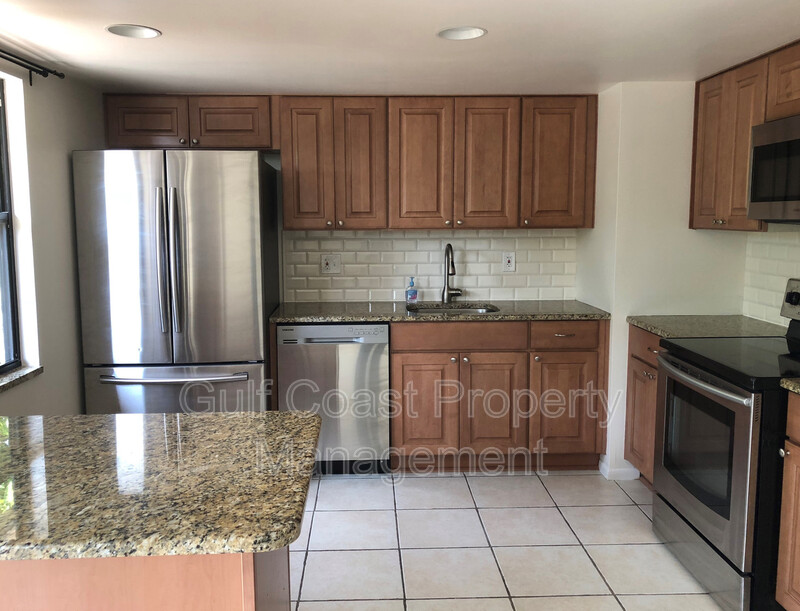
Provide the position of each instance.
(793, 418)
(644, 345)
(458, 336)
(564, 335)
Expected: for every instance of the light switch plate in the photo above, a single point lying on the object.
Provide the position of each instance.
(789, 309)
(330, 264)
(509, 261)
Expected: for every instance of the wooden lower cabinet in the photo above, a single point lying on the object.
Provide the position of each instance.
(788, 586)
(640, 416)
(568, 412)
(426, 387)
(493, 406)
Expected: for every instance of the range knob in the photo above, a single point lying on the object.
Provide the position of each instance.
(793, 298)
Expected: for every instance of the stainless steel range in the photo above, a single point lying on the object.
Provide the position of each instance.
(721, 419)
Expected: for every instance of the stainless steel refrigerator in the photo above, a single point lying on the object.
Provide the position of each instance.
(178, 271)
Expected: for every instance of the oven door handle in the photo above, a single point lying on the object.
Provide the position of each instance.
(709, 388)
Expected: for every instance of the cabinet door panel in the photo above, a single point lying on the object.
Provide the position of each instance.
(307, 162)
(554, 161)
(359, 133)
(783, 94)
(566, 411)
(710, 150)
(229, 121)
(788, 587)
(147, 121)
(640, 416)
(748, 86)
(420, 163)
(486, 188)
(425, 384)
(492, 406)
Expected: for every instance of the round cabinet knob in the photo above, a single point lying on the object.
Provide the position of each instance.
(537, 358)
(341, 223)
(195, 141)
(453, 359)
(792, 298)
(329, 223)
(448, 222)
(783, 453)
(465, 359)
(526, 222)
(459, 222)
(182, 140)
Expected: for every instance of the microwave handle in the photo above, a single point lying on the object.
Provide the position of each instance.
(709, 388)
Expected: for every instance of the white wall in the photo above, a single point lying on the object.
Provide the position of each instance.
(376, 264)
(642, 258)
(61, 116)
(772, 258)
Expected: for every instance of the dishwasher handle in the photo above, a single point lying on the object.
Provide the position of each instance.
(333, 340)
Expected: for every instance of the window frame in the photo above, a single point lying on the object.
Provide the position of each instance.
(7, 225)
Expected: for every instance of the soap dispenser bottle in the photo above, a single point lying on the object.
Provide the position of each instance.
(411, 292)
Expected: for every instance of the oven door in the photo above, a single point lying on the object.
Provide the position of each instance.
(706, 455)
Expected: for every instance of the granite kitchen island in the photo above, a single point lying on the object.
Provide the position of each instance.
(156, 511)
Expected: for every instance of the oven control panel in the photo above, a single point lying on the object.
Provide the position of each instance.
(791, 300)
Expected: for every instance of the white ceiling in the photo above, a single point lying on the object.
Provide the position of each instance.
(390, 46)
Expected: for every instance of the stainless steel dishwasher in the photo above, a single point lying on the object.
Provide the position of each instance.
(340, 372)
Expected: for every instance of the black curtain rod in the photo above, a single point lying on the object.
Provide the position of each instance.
(31, 67)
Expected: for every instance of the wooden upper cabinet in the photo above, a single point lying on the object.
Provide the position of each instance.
(491, 415)
(307, 162)
(359, 135)
(707, 153)
(565, 420)
(427, 384)
(728, 106)
(486, 187)
(179, 121)
(147, 121)
(783, 94)
(420, 163)
(229, 121)
(559, 141)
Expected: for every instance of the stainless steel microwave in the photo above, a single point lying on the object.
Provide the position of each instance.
(775, 172)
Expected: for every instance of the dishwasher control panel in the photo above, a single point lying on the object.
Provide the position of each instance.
(348, 333)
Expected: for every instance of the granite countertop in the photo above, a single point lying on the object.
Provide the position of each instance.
(153, 484)
(395, 311)
(791, 384)
(706, 326)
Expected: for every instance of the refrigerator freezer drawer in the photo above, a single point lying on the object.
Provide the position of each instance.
(154, 390)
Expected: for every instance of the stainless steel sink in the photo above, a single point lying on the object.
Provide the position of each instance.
(435, 307)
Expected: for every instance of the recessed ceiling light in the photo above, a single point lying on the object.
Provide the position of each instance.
(130, 30)
(467, 32)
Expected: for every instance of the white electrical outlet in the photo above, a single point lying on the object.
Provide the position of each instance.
(509, 261)
(330, 264)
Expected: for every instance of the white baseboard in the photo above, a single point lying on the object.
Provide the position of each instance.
(618, 472)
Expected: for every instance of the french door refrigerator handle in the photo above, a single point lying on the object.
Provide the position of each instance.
(161, 259)
(176, 261)
(709, 388)
(234, 377)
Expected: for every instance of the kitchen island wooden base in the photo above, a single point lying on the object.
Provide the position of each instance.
(203, 582)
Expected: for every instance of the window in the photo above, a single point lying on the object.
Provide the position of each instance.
(9, 325)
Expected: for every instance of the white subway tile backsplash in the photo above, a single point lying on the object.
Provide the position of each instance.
(376, 264)
(772, 258)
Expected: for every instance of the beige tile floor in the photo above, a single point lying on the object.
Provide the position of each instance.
(485, 543)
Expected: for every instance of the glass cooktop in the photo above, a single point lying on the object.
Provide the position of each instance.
(754, 363)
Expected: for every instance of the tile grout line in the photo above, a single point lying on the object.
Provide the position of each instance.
(491, 547)
(583, 547)
(399, 550)
(305, 554)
